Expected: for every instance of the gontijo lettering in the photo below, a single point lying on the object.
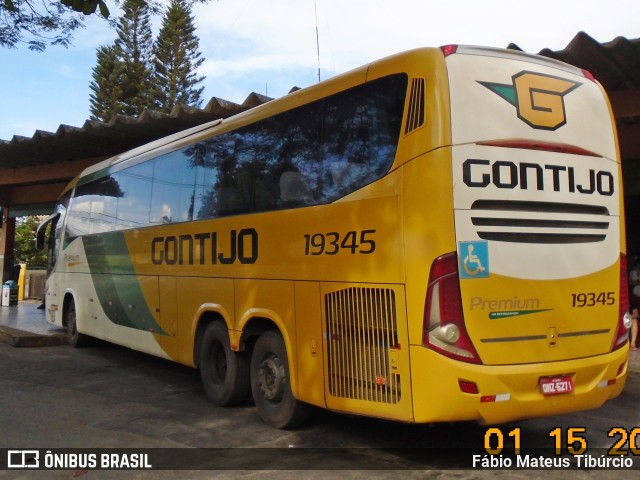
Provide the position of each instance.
(206, 248)
(480, 173)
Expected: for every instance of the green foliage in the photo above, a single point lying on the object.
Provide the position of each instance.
(8, 4)
(134, 44)
(86, 6)
(176, 58)
(25, 243)
(137, 73)
(106, 84)
(38, 23)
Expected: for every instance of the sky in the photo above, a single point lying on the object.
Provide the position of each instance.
(269, 46)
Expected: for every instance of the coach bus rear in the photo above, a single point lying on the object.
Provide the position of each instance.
(525, 316)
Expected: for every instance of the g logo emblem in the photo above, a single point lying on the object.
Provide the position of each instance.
(538, 98)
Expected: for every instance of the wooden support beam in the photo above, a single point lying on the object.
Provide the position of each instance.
(35, 194)
(45, 173)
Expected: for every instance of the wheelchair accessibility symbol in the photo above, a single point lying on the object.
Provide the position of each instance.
(474, 259)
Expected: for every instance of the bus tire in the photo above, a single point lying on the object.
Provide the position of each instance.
(76, 339)
(224, 373)
(270, 384)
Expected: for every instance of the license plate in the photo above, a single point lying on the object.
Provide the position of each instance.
(556, 385)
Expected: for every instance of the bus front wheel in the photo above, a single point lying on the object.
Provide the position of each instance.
(76, 339)
(224, 373)
(271, 386)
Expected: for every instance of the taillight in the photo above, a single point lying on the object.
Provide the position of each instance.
(624, 317)
(444, 329)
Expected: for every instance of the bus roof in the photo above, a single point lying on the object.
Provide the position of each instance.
(516, 55)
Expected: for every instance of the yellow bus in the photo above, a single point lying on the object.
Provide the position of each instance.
(435, 236)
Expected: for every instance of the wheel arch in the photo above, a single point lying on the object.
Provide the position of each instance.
(205, 318)
(258, 321)
(69, 297)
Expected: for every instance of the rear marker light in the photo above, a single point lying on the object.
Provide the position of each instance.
(612, 381)
(468, 387)
(607, 383)
(502, 397)
(449, 49)
(588, 75)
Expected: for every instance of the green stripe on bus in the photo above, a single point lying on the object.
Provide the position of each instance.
(117, 284)
(515, 313)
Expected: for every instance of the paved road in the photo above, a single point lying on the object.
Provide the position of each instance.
(110, 397)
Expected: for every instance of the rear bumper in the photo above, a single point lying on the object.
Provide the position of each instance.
(437, 395)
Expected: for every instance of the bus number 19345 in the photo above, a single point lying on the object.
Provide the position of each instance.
(331, 243)
(591, 299)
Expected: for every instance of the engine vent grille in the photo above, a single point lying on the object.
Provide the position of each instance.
(362, 329)
(415, 118)
(539, 222)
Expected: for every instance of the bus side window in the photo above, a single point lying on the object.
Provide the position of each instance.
(293, 189)
(173, 190)
(361, 131)
(104, 201)
(135, 200)
(311, 155)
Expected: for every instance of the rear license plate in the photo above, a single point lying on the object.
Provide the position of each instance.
(556, 385)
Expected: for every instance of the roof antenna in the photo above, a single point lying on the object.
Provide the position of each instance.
(315, 6)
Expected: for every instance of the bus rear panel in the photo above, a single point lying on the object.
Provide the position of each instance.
(525, 316)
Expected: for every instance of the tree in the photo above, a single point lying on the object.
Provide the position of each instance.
(137, 73)
(41, 22)
(134, 45)
(24, 247)
(176, 58)
(106, 84)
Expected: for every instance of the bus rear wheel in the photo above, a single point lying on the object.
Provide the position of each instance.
(224, 373)
(271, 386)
(76, 339)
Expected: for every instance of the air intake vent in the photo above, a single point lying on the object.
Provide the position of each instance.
(415, 117)
(362, 329)
(539, 222)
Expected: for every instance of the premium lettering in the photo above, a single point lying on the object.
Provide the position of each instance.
(480, 173)
(514, 303)
(206, 248)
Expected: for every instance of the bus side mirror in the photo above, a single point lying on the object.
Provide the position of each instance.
(41, 241)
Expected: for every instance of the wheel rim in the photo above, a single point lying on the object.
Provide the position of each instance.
(271, 379)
